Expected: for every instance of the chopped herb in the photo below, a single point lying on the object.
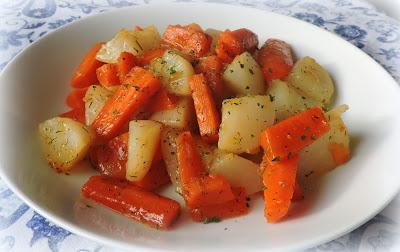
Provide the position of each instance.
(303, 137)
(172, 70)
(125, 85)
(213, 219)
(308, 174)
(136, 88)
(230, 70)
(271, 97)
(163, 62)
(137, 42)
(247, 198)
(289, 155)
(277, 158)
(325, 108)
(252, 135)
(195, 62)
(247, 87)
(303, 97)
(172, 153)
(269, 69)
(241, 65)
(251, 71)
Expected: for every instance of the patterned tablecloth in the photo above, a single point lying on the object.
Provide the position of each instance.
(24, 21)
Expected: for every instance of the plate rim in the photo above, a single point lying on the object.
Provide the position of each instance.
(78, 230)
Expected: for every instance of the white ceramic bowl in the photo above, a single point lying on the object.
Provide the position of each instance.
(34, 85)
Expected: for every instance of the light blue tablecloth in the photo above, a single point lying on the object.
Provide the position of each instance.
(24, 21)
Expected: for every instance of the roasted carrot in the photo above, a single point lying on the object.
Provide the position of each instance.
(155, 178)
(77, 114)
(107, 75)
(232, 43)
(275, 58)
(139, 86)
(85, 74)
(279, 179)
(287, 137)
(189, 160)
(212, 68)
(187, 39)
(110, 158)
(206, 191)
(145, 58)
(75, 98)
(339, 152)
(297, 193)
(236, 207)
(126, 61)
(163, 100)
(207, 115)
(132, 201)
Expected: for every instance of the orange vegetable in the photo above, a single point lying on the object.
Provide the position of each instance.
(188, 39)
(189, 160)
(155, 178)
(132, 201)
(107, 75)
(207, 191)
(275, 58)
(212, 68)
(139, 86)
(232, 43)
(339, 152)
(126, 61)
(232, 208)
(297, 193)
(85, 74)
(279, 180)
(208, 117)
(163, 101)
(145, 58)
(75, 98)
(77, 114)
(289, 136)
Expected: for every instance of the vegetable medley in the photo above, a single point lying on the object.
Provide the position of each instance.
(209, 112)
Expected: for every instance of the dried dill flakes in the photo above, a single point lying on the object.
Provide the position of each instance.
(276, 159)
(212, 219)
(271, 97)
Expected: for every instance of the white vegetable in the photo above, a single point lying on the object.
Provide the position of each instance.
(243, 119)
(215, 36)
(168, 150)
(135, 42)
(206, 151)
(244, 76)
(95, 98)
(144, 139)
(174, 71)
(287, 100)
(316, 158)
(65, 142)
(179, 117)
(312, 79)
(238, 171)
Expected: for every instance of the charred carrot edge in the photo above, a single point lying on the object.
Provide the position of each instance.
(212, 68)
(126, 61)
(85, 74)
(207, 115)
(145, 58)
(207, 191)
(132, 201)
(139, 86)
(189, 160)
(107, 75)
(236, 207)
(77, 114)
(339, 152)
(276, 59)
(287, 137)
(75, 98)
(279, 179)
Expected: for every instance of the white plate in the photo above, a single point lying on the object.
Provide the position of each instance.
(33, 88)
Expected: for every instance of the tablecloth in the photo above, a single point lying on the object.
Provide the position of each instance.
(24, 21)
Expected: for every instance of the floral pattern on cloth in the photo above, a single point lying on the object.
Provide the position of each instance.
(24, 21)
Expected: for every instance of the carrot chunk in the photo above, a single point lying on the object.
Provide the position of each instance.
(207, 191)
(275, 58)
(163, 101)
(189, 39)
(140, 205)
(75, 98)
(145, 58)
(77, 114)
(232, 43)
(229, 209)
(107, 75)
(85, 74)
(207, 115)
(126, 61)
(287, 137)
(279, 179)
(212, 68)
(139, 86)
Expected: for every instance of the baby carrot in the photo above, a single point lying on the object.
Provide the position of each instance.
(75, 98)
(107, 75)
(126, 61)
(212, 68)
